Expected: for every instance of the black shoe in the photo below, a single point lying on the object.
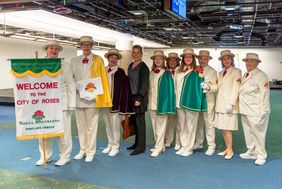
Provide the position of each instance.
(136, 152)
(133, 147)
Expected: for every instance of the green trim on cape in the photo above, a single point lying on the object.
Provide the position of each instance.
(166, 94)
(192, 96)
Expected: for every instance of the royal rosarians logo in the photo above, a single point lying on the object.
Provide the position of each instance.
(38, 115)
(90, 87)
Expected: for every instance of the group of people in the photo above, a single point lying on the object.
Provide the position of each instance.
(186, 101)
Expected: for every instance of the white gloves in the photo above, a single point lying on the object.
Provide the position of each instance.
(228, 108)
(205, 86)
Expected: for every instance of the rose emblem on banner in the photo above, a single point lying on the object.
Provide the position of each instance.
(90, 87)
(38, 115)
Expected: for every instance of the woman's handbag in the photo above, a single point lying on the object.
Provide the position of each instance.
(128, 127)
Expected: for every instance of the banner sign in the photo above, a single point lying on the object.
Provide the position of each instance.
(37, 92)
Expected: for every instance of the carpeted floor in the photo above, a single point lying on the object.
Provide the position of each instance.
(123, 171)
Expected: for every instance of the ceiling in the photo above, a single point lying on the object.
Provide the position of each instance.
(209, 23)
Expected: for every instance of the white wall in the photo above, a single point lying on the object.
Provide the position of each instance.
(271, 59)
(16, 48)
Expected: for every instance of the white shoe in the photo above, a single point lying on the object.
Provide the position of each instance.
(210, 151)
(62, 162)
(247, 155)
(155, 153)
(227, 157)
(177, 147)
(41, 162)
(152, 149)
(260, 162)
(186, 154)
(113, 152)
(198, 146)
(223, 153)
(107, 150)
(89, 158)
(167, 145)
(180, 151)
(79, 156)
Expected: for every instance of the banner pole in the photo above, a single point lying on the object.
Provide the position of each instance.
(44, 152)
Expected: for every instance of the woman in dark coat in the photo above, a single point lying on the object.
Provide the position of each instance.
(138, 74)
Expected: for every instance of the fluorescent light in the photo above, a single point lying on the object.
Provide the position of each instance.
(40, 20)
(137, 12)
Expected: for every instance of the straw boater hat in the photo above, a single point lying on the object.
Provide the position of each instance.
(173, 55)
(86, 39)
(158, 53)
(252, 56)
(204, 53)
(113, 52)
(225, 53)
(52, 43)
(188, 51)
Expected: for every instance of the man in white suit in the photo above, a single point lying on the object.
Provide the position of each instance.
(86, 111)
(254, 108)
(207, 118)
(52, 49)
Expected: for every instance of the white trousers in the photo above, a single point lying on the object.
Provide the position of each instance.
(171, 128)
(255, 132)
(159, 123)
(188, 121)
(112, 123)
(206, 125)
(87, 125)
(64, 142)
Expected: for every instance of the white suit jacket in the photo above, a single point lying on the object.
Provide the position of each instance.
(153, 89)
(228, 90)
(254, 94)
(78, 72)
(68, 89)
(210, 76)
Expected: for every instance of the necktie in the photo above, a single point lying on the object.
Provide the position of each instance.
(109, 69)
(157, 71)
(85, 60)
(247, 75)
(224, 73)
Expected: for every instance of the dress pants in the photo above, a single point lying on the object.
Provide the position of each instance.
(172, 127)
(188, 121)
(159, 123)
(140, 131)
(255, 131)
(206, 125)
(87, 125)
(112, 123)
(65, 141)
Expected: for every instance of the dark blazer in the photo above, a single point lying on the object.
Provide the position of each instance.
(142, 87)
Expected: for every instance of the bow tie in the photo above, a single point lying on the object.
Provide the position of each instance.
(85, 60)
(109, 69)
(157, 71)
